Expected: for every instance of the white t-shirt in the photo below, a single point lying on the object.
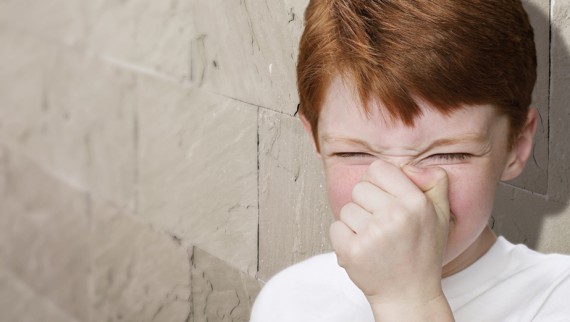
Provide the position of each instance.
(509, 283)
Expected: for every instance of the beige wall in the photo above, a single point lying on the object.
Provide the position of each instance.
(152, 169)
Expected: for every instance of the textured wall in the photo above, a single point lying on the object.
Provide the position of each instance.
(152, 168)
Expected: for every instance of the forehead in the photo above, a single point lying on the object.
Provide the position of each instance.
(343, 116)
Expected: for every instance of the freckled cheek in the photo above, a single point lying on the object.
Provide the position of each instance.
(340, 182)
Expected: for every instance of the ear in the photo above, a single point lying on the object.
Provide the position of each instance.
(309, 131)
(521, 149)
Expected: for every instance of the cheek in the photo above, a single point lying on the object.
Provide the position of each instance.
(471, 196)
(340, 181)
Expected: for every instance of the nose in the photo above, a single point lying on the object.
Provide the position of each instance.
(397, 161)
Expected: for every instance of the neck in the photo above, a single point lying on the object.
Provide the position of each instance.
(475, 251)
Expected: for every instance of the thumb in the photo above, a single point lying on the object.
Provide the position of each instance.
(433, 182)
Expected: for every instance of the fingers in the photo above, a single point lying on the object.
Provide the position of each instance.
(355, 217)
(384, 183)
(341, 237)
(427, 179)
(387, 190)
(434, 183)
(390, 178)
(370, 197)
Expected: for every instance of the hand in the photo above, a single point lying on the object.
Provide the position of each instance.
(391, 238)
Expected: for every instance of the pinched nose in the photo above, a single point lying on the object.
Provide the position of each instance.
(433, 181)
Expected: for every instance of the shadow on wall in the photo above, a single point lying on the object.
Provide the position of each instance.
(520, 214)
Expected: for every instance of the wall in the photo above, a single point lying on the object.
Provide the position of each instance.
(152, 168)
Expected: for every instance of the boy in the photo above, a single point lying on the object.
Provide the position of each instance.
(417, 110)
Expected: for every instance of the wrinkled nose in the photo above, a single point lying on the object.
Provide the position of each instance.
(398, 161)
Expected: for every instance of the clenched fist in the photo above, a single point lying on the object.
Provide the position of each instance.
(391, 239)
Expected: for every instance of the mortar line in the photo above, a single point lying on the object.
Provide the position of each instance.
(136, 148)
(533, 193)
(548, 98)
(258, 193)
(247, 103)
(277, 112)
(231, 98)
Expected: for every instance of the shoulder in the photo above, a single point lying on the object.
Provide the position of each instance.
(525, 258)
(534, 267)
(512, 283)
(317, 270)
(312, 290)
(546, 278)
(291, 287)
(316, 265)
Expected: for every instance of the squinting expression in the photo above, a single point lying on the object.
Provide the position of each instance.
(470, 145)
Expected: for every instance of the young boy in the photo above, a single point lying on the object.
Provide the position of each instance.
(417, 110)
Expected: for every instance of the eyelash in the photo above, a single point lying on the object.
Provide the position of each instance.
(451, 156)
(351, 154)
(440, 156)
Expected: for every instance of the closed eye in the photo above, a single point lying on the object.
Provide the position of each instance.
(352, 155)
(450, 156)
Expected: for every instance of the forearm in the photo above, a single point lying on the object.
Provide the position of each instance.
(435, 310)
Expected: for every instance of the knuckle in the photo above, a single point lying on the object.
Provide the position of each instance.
(360, 191)
(355, 251)
(376, 230)
(346, 210)
(373, 171)
(334, 229)
(401, 217)
(395, 211)
(378, 164)
(418, 201)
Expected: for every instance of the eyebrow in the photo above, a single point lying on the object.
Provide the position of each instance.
(471, 137)
(328, 138)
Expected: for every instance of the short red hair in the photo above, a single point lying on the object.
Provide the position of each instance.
(448, 53)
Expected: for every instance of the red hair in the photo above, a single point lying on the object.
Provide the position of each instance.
(447, 53)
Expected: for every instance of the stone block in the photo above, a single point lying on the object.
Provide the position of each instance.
(249, 54)
(531, 219)
(19, 303)
(198, 170)
(559, 162)
(150, 36)
(219, 291)
(139, 274)
(50, 95)
(62, 21)
(22, 81)
(3, 170)
(535, 175)
(555, 235)
(92, 113)
(44, 234)
(294, 216)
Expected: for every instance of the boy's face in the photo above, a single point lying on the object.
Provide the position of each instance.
(470, 145)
